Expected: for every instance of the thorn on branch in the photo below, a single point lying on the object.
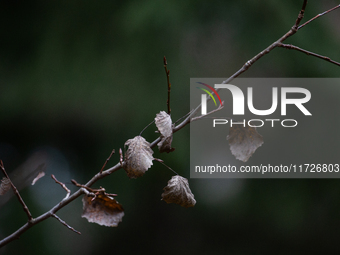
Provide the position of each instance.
(65, 224)
(63, 186)
(29, 215)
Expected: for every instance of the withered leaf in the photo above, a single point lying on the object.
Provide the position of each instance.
(177, 191)
(138, 157)
(4, 186)
(243, 141)
(164, 124)
(103, 210)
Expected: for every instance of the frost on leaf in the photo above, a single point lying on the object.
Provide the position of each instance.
(164, 124)
(138, 157)
(244, 141)
(103, 210)
(177, 191)
(4, 186)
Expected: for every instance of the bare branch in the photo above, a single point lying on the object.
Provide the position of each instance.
(202, 116)
(107, 160)
(292, 47)
(41, 218)
(63, 186)
(27, 211)
(162, 162)
(300, 16)
(169, 84)
(65, 224)
(250, 62)
(64, 202)
(317, 16)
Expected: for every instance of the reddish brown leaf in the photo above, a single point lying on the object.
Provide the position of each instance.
(5, 186)
(138, 157)
(244, 141)
(164, 124)
(177, 191)
(103, 210)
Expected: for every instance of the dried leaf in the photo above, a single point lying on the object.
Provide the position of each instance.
(103, 210)
(40, 175)
(138, 157)
(244, 141)
(177, 191)
(164, 124)
(5, 186)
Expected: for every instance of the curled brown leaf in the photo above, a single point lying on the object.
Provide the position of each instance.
(138, 157)
(164, 124)
(177, 191)
(103, 210)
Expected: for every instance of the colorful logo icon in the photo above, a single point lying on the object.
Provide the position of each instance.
(209, 93)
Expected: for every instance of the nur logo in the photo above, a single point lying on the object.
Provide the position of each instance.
(239, 99)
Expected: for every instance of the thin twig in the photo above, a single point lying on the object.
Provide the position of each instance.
(62, 185)
(202, 116)
(317, 16)
(27, 211)
(162, 162)
(107, 160)
(300, 16)
(146, 127)
(65, 224)
(169, 84)
(15, 235)
(292, 47)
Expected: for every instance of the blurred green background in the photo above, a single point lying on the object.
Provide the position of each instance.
(79, 78)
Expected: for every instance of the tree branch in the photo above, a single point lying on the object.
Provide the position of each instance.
(27, 211)
(65, 224)
(169, 84)
(102, 174)
(220, 107)
(317, 16)
(292, 47)
(63, 186)
(250, 62)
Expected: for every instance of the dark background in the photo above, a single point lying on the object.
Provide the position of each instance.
(79, 78)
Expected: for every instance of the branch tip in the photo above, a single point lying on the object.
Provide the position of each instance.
(65, 224)
(62, 185)
(107, 160)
